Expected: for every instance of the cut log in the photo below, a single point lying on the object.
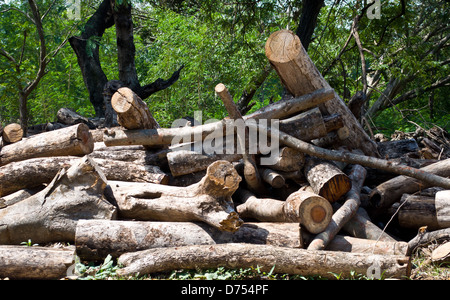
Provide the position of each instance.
(275, 179)
(182, 162)
(311, 125)
(351, 244)
(36, 171)
(310, 210)
(417, 211)
(345, 212)
(441, 254)
(132, 112)
(288, 160)
(389, 192)
(19, 262)
(207, 201)
(75, 140)
(326, 179)
(12, 133)
(300, 76)
(366, 161)
(265, 257)
(166, 136)
(95, 239)
(51, 215)
(69, 117)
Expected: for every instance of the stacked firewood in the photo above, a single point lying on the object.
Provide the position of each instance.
(145, 196)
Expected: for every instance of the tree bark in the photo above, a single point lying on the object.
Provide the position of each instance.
(282, 260)
(356, 245)
(74, 140)
(288, 160)
(389, 192)
(19, 262)
(132, 112)
(300, 76)
(51, 215)
(417, 211)
(326, 179)
(397, 149)
(308, 20)
(95, 239)
(69, 117)
(425, 238)
(207, 201)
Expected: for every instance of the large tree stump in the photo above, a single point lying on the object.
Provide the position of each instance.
(51, 215)
(95, 239)
(265, 257)
(75, 140)
(326, 179)
(207, 201)
(300, 76)
(19, 262)
(132, 112)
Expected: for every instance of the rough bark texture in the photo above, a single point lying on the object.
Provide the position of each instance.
(95, 239)
(282, 260)
(300, 76)
(51, 215)
(19, 262)
(288, 160)
(208, 201)
(345, 212)
(74, 140)
(326, 179)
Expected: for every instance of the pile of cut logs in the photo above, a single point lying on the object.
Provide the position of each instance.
(155, 205)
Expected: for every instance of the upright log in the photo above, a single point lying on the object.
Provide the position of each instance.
(265, 257)
(75, 140)
(132, 112)
(300, 76)
(207, 201)
(95, 239)
(19, 262)
(51, 215)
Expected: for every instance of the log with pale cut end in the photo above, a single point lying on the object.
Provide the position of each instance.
(288, 160)
(51, 215)
(273, 178)
(75, 140)
(344, 213)
(12, 133)
(132, 112)
(208, 201)
(300, 76)
(264, 257)
(326, 179)
(441, 254)
(19, 262)
(311, 210)
(95, 239)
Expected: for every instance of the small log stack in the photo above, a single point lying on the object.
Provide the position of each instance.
(157, 199)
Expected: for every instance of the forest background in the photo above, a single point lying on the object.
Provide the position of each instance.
(399, 60)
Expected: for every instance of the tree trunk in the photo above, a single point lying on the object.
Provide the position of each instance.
(308, 20)
(95, 239)
(356, 245)
(19, 262)
(288, 160)
(417, 211)
(345, 212)
(132, 112)
(51, 215)
(265, 257)
(397, 149)
(389, 192)
(12, 133)
(208, 201)
(300, 76)
(326, 179)
(74, 140)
